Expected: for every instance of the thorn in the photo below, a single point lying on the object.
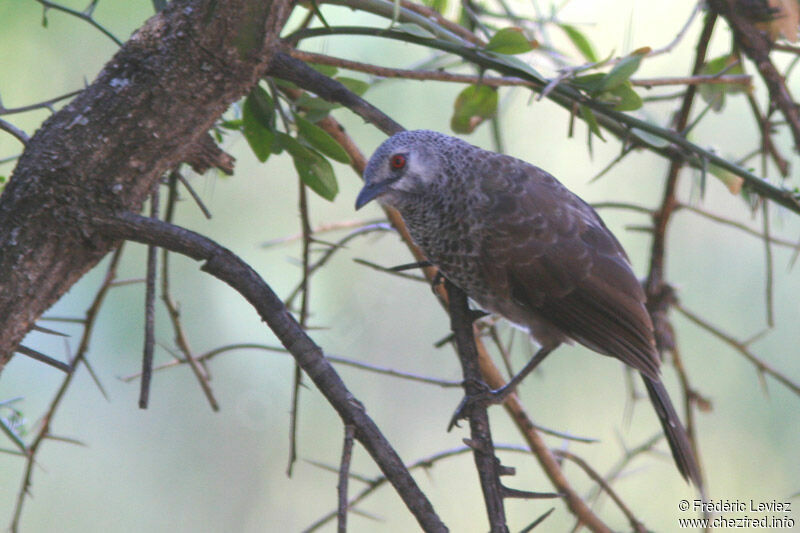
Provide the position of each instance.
(477, 314)
(39, 356)
(411, 266)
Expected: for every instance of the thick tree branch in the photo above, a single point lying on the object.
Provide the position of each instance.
(226, 266)
(286, 67)
(148, 110)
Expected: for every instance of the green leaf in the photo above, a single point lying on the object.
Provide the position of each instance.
(623, 70)
(517, 64)
(580, 41)
(314, 170)
(320, 139)
(256, 126)
(438, 5)
(591, 121)
(714, 94)
(261, 106)
(509, 41)
(357, 86)
(233, 124)
(623, 97)
(472, 106)
(326, 70)
(293, 146)
(648, 138)
(414, 29)
(591, 83)
(317, 104)
(732, 181)
(285, 84)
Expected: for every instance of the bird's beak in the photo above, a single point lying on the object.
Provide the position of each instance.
(369, 193)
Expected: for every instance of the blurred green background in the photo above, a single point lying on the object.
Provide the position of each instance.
(180, 467)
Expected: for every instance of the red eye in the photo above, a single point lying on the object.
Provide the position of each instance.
(398, 161)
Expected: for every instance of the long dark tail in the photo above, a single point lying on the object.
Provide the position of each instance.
(676, 435)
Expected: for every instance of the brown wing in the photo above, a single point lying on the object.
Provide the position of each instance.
(551, 254)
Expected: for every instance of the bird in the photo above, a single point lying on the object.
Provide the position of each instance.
(523, 246)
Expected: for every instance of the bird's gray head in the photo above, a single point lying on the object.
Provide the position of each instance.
(405, 164)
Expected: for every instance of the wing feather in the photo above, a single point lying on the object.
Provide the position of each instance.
(558, 262)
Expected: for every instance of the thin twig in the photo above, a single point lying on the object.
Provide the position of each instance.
(740, 347)
(322, 228)
(173, 311)
(329, 253)
(679, 37)
(619, 123)
(389, 270)
(373, 484)
(83, 347)
(635, 523)
(46, 359)
(15, 131)
(207, 356)
(83, 15)
(757, 46)
(38, 105)
(297, 382)
(344, 476)
(288, 68)
(193, 194)
(765, 129)
(393, 373)
(149, 311)
(496, 81)
(226, 266)
(738, 225)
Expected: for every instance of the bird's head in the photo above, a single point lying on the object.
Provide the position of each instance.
(405, 164)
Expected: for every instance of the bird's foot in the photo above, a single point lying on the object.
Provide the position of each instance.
(481, 396)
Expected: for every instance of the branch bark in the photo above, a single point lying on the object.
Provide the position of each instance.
(757, 46)
(148, 110)
(486, 462)
(226, 266)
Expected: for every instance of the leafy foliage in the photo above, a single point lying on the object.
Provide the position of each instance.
(309, 150)
(473, 105)
(714, 93)
(509, 41)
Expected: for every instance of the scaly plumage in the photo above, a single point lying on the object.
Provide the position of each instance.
(522, 245)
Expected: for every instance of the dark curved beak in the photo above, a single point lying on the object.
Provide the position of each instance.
(369, 193)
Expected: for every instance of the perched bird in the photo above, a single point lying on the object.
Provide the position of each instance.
(523, 246)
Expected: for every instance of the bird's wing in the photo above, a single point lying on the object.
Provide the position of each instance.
(550, 252)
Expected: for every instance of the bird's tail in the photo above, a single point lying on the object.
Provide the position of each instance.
(676, 435)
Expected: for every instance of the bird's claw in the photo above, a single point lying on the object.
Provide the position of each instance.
(483, 395)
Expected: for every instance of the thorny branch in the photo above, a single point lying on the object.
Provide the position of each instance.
(88, 323)
(490, 373)
(173, 311)
(229, 268)
(296, 71)
(486, 463)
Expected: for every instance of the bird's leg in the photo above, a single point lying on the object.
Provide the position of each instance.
(499, 395)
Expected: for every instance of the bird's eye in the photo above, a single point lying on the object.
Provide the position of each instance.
(397, 161)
